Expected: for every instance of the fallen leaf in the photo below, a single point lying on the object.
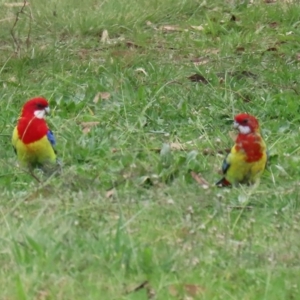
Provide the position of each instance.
(150, 292)
(90, 124)
(170, 201)
(109, 193)
(200, 61)
(104, 37)
(200, 27)
(139, 287)
(115, 41)
(273, 24)
(96, 98)
(298, 56)
(16, 4)
(189, 289)
(211, 51)
(141, 70)
(240, 49)
(144, 285)
(193, 289)
(173, 290)
(43, 47)
(42, 295)
(12, 79)
(248, 74)
(198, 78)
(208, 151)
(240, 207)
(148, 23)
(199, 179)
(86, 126)
(105, 95)
(176, 146)
(101, 95)
(82, 53)
(157, 150)
(86, 130)
(130, 44)
(170, 28)
(272, 49)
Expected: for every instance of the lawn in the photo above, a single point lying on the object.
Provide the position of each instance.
(142, 96)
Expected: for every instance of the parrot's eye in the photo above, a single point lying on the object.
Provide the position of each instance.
(39, 105)
(245, 121)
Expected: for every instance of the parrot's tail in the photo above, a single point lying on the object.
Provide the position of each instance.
(223, 183)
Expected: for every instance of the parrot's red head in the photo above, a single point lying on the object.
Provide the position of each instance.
(32, 125)
(246, 123)
(37, 107)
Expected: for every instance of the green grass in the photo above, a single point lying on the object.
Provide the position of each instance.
(65, 238)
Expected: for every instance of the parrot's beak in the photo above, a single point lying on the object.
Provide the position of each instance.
(47, 110)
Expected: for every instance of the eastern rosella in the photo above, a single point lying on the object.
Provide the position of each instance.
(32, 140)
(248, 157)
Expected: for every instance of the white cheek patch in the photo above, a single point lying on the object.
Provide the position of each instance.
(236, 124)
(40, 114)
(244, 129)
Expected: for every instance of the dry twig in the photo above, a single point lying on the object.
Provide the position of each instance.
(17, 45)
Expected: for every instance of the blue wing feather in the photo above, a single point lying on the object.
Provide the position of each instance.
(225, 165)
(51, 137)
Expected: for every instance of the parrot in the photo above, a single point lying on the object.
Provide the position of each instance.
(248, 157)
(32, 140)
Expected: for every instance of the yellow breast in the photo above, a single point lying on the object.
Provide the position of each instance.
(33, 154)
(241, 171)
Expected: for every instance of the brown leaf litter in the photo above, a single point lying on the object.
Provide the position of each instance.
(198, 78)
(200, 179)
(87, 126)
(102, 96)
(192, 290)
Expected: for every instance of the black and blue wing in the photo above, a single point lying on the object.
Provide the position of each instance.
(51, 137)
(225, 165)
